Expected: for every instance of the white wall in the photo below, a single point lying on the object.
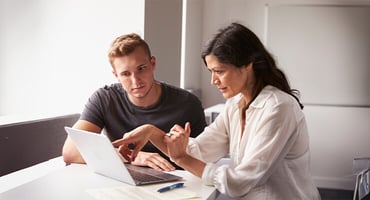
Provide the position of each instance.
(337, 133)
(191, 40)
(163, 34)
(54, 53)
(324, 50)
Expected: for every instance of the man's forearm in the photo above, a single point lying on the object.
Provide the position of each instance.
(71, 154)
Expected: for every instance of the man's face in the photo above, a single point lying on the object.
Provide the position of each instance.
(135, 73)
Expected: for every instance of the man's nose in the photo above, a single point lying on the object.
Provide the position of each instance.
(135, 78)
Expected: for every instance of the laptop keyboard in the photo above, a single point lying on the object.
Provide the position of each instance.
(142, 177)
(147, 175)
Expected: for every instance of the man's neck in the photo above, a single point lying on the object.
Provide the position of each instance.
(154, 94)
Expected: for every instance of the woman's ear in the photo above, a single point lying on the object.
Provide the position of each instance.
(247, 67)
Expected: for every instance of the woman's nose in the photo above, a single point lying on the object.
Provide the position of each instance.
(214, 80)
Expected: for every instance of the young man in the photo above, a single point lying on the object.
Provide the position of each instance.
(137, 101)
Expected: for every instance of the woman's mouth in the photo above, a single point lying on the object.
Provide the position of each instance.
(222, 89)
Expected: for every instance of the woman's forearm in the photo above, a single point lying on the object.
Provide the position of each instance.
(156, 138)
(191, 165)
(187, 162)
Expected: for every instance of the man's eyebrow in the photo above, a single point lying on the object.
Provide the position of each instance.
(141, 65)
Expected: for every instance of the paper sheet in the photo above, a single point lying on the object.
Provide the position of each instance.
(140, 193)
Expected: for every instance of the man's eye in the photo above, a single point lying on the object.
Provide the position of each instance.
(142, 68)
(218, 72)
(125, 74)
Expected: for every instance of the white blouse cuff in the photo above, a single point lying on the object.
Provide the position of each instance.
(209, 173)
(193, 149)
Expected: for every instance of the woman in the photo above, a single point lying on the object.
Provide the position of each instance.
(262, 127)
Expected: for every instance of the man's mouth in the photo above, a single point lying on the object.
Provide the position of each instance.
(138, 87)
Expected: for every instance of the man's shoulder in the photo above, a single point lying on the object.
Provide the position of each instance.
(107, 92)
(179, 93)
(114, 87)
(168, 86)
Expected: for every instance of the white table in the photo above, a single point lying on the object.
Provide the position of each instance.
(71, 182)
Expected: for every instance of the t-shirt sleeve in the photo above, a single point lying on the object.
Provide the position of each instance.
(196, 114)
(94, 108)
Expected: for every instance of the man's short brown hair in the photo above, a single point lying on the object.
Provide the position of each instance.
(126, 44)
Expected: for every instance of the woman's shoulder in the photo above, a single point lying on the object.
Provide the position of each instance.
(232, 104)
(235, 99)
(271, 95)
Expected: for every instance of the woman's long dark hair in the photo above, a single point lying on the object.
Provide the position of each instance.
(239, 46)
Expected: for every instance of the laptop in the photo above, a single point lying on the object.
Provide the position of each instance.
(102, 158)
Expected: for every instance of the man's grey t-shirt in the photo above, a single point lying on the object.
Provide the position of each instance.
(110, 109)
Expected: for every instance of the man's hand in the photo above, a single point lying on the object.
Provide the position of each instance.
(153, 160)
(133, 141)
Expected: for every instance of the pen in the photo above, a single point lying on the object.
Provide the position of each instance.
(170, 187)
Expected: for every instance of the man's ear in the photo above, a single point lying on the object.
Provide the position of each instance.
(114, 73)
(153, 61)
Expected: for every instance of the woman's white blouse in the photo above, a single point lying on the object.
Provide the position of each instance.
(270, 160)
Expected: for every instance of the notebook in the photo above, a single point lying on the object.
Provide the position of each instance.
(100, 155)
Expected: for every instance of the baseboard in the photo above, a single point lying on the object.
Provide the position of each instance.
(344, 183)
(330, 194)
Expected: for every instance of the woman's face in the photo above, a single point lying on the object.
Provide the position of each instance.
(229, 79)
